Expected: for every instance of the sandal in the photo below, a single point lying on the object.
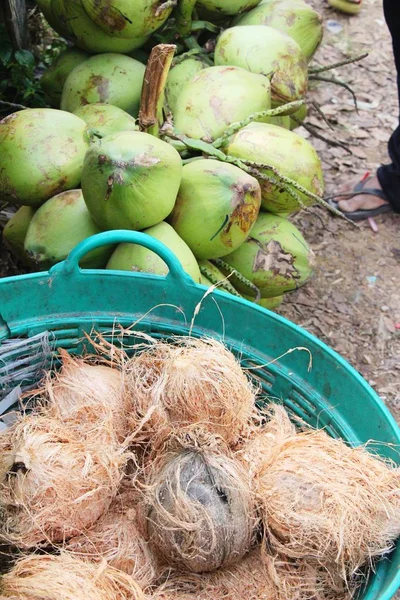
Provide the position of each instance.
(358, 190)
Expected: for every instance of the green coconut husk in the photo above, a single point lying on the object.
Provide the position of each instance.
(266, 51)
(217, 97)
(57, 227)
(297, 118)
(293, 17)
(346, 6)
(225, 7)
(14, 233)
(132, 257)
(200, 512)
(131, 180)
(105, 119)
(53, 79)
(69, 19)
(268, 303)
(287, 152)
(180, 75)
(224, 199)
(50, 144)
(275, 258)
(110, 78)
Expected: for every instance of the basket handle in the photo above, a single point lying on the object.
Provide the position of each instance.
(71, 264)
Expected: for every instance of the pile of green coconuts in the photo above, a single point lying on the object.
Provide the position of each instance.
(174, 118)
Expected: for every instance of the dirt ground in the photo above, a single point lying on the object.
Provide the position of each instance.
(353, 302)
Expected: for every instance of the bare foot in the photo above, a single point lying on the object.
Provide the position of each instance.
(362, 201)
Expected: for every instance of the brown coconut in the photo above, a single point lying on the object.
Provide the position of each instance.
(199, 508)
(116, 538)
(192, 381)
(65, 577)
(85, 395)
(53, 484)
(321, 499)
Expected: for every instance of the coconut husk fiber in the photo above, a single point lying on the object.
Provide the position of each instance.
(116, 538)
(198, 506)
(247, 580)
(65, 577)
(85, 395)
(53, 485)
(323, 500)
(191, 381)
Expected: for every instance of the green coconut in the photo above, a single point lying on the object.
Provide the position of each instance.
(105, 119)
(280, 121)
(179, 76)
(126, 18)
(297, 118)
(217, 97)
(216, 207)
(268, 303)
(14, 233)
(46, 8)
(54, 77)
(109, 78)
(226, 7)
(58, 226)
(346, 6)
(132, 257)
(42, 152)
(130, 180)
(266, 51)
(275, 258)
(289, 153)
(293, 17)
(69, 18)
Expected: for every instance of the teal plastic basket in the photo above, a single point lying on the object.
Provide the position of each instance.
(56, 308)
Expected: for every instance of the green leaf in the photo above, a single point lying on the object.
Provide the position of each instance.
(5, 53)
(25, 58)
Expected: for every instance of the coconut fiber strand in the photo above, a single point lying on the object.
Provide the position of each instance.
(191, 381)
(85, 395)
(116, 538)
(199, 508)
(53, 484)
(321, 499)
(65, 577)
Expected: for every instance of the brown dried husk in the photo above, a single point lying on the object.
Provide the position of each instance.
(247, 580)
(199, 507)
(65, 577)
(116, 538)
(192, 381)
(83, 395)
(53, 484)
(321, 499)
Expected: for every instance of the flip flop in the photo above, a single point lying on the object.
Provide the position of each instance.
(358, 190)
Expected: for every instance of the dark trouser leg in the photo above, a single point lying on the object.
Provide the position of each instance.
(389, 175)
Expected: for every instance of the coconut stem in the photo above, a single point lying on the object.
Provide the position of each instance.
(319, 136)
(348, 61)
(336, 82)
(151, 114)
(223, 265)
(205, 26)
(226, 285)
(253, 168)
(194, 52)
(273, 112)
(183, 16)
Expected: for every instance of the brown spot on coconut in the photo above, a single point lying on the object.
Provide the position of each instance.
(199, 507)
(192, 381)
(322, 500)
(65, 577)
(53, 484)
(116, 538)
